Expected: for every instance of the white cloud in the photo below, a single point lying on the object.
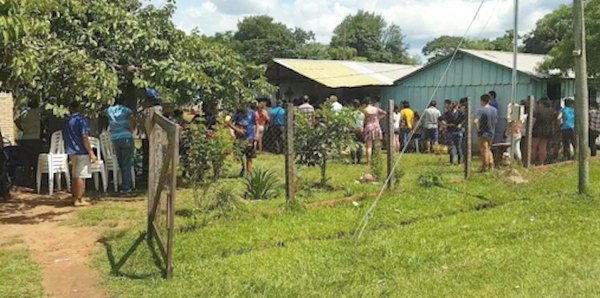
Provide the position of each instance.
(420, 20)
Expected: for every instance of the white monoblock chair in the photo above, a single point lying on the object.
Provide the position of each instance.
(111, 162)
(98, 167)
(54, 163)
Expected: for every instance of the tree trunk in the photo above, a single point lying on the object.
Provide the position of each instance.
(324, 173)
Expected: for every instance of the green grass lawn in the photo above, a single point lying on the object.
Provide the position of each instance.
(484, 237)
(20, 276)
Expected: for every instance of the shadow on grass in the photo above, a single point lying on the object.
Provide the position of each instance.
(117, 265)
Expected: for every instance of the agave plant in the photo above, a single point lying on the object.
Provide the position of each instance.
(261, 185)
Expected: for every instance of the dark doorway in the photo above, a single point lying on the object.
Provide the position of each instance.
(553, 91)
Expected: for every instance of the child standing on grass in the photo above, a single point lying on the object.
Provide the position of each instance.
(244, 125)
(78, 147)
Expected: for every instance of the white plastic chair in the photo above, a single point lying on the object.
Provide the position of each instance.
(111, 162)
(54, 163)
(98, 166)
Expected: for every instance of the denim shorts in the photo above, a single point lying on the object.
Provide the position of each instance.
(431, 134)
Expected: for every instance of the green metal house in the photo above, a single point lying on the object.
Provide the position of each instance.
(473, 73)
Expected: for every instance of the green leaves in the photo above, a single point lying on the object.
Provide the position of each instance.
(322, 136)
(371, 39)
(64, 50)
(261, 184)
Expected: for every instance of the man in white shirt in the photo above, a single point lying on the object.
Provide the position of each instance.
(431, 117)
(335, 105)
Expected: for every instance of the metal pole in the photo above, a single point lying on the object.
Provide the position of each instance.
(468, 138)
(514, 80)
(391, 144)
(581, 96)
(290, 155)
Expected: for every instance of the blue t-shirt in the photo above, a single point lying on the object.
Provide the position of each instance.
(247, 121)
(118, 119)
(278, 116)
(77, 126)
(488, 117)
(568, 117)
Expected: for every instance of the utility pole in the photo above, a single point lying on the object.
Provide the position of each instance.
(512, 119)
(581, 97)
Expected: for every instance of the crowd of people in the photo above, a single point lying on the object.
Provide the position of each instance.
(260, 127)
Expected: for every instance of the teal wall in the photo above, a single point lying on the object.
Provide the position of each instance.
(467, 77)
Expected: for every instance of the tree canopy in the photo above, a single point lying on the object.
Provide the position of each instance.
(371, 37)
(549, 31)
(555, 32)
(260, 39)
(445, 45)
(91, 51)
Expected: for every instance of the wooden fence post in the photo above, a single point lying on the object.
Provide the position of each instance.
(391, 145)
(468, 138)
(290, 154)
(529, 132)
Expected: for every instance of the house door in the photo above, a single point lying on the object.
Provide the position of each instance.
(554, 91)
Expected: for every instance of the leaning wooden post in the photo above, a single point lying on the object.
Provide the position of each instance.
(290, 154)
(529, 132)
(390, 143)
(152, 188)
(468, 138)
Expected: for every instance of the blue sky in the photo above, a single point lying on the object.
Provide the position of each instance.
(420, 20)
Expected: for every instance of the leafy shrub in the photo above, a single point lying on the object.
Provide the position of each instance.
(322, 136)
(398, 173)
(207, 151)
(217, 200)
(261, 185)
(429, 180)
(378, 165)
(227, 199)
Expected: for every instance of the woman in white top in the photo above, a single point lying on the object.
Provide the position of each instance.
(397, 119)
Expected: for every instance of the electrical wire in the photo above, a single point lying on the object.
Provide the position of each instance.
(489, 18)
(371, 211)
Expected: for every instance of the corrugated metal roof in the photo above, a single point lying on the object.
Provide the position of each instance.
(340, 74)
(526, 63)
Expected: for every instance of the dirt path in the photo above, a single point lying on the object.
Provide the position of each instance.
(63, 252)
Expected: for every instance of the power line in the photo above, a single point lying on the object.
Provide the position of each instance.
(365, 220)
(489, 18)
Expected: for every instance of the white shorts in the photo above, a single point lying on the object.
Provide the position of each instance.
(260, 132)
(80, 165)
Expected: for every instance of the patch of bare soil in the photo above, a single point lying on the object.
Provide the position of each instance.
(63, 252)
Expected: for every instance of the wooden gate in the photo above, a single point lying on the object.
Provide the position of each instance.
(162, 179)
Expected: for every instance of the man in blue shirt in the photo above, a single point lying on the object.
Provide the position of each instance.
(121, 122)
(567, 128)
(494, 101)
(486, 120)
(278, 122)
(78, 147)
(244, 125)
